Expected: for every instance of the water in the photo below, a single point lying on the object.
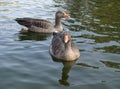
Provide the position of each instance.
(25, 62)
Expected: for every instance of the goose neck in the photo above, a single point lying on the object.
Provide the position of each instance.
(57, 21)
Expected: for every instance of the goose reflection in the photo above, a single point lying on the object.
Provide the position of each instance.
(65, 71)
(67, 65)
(33, 36)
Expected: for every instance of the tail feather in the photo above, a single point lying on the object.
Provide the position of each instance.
(23, 21)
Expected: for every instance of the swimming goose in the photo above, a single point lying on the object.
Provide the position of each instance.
(41, 25)
(62, 47)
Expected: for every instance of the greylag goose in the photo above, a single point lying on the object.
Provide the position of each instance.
(41, 25)
(62, 48)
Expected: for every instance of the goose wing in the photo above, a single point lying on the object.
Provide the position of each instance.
(28, 22)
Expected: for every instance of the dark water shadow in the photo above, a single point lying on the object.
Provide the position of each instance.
(87, 65)
(33, 36)
(111, 64)
(65, 71)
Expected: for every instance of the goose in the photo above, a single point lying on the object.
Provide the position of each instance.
(41, 25)
(63, 48)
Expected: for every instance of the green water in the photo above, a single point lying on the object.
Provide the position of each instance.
(25, 62)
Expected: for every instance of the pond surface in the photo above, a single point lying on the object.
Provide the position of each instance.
(25, 62)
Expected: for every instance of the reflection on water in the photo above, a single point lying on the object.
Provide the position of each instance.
(94, 13)
(33, 36)
(86, 65)
(65, 71)
(111, 49)
(111, 64)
